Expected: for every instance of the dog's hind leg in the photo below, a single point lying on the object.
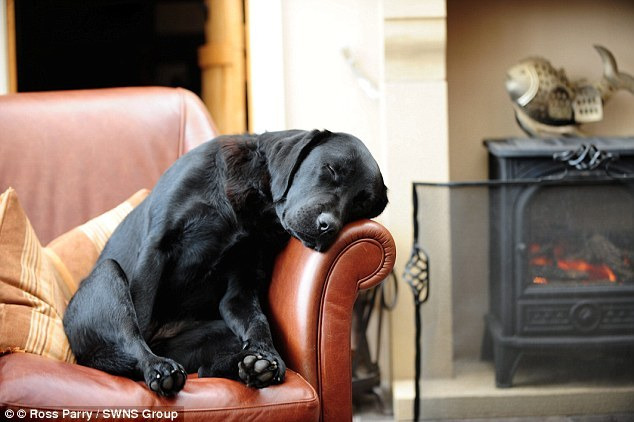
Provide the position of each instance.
(213, 350)
(102, 328)
(196, 344)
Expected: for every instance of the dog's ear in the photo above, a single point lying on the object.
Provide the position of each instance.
(285, 151)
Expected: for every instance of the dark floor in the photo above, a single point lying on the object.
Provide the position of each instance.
(373, 407)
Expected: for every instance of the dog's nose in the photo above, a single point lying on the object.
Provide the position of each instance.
(327, 223)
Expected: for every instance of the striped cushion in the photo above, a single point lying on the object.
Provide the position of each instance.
(36, 283)
(75, 252)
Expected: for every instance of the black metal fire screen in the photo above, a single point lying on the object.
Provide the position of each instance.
(538, 264)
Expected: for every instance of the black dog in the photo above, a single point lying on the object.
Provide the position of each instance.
(178, 286)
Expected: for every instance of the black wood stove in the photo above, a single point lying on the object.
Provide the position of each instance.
(562, 248)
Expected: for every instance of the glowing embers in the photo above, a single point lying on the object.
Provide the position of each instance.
(592, 261)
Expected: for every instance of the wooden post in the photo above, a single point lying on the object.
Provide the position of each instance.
(12, 55)
(222, 60)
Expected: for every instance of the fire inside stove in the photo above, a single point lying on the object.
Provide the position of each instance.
(595, 261)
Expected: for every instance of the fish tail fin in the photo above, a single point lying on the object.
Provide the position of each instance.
(611, 74)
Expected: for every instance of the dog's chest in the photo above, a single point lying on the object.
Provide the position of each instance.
(206, 253)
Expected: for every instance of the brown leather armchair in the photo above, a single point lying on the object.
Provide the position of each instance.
(73, 155)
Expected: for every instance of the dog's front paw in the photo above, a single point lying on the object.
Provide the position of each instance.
(164, 376)
(260, 369)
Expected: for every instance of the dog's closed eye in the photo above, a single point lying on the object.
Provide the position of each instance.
(332, 173)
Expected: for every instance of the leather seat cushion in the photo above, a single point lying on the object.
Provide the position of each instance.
(34, 382)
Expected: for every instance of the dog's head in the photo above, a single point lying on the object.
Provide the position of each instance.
(320, 181)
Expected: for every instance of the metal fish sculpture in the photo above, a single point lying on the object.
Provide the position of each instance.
(546, 103)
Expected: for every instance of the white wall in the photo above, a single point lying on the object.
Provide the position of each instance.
(4, 59)
(299, 76)
(321, 89)
(267, 107)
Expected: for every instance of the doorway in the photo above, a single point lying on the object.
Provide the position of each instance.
(74, 44)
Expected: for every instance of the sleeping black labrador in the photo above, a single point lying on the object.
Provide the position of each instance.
(177, 288)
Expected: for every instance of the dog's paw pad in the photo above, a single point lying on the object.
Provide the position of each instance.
(165, 377)
(259, 371)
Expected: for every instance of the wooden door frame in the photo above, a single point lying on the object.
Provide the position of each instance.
(251, 48)
(223, 65)
(12, 62)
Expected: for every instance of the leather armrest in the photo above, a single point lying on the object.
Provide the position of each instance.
(311, 299)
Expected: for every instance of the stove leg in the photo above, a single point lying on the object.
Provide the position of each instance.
(506, 361)
(486, 351)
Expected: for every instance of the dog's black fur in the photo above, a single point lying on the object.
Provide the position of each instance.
(178, 286)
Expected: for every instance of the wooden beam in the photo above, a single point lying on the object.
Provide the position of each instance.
(13, 62)
(222, 60)
(247, 64)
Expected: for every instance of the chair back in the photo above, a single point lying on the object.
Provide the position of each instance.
(72, 155)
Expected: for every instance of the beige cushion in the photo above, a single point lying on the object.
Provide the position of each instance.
(74, 253)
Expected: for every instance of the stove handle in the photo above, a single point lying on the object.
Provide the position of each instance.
(586, 157)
